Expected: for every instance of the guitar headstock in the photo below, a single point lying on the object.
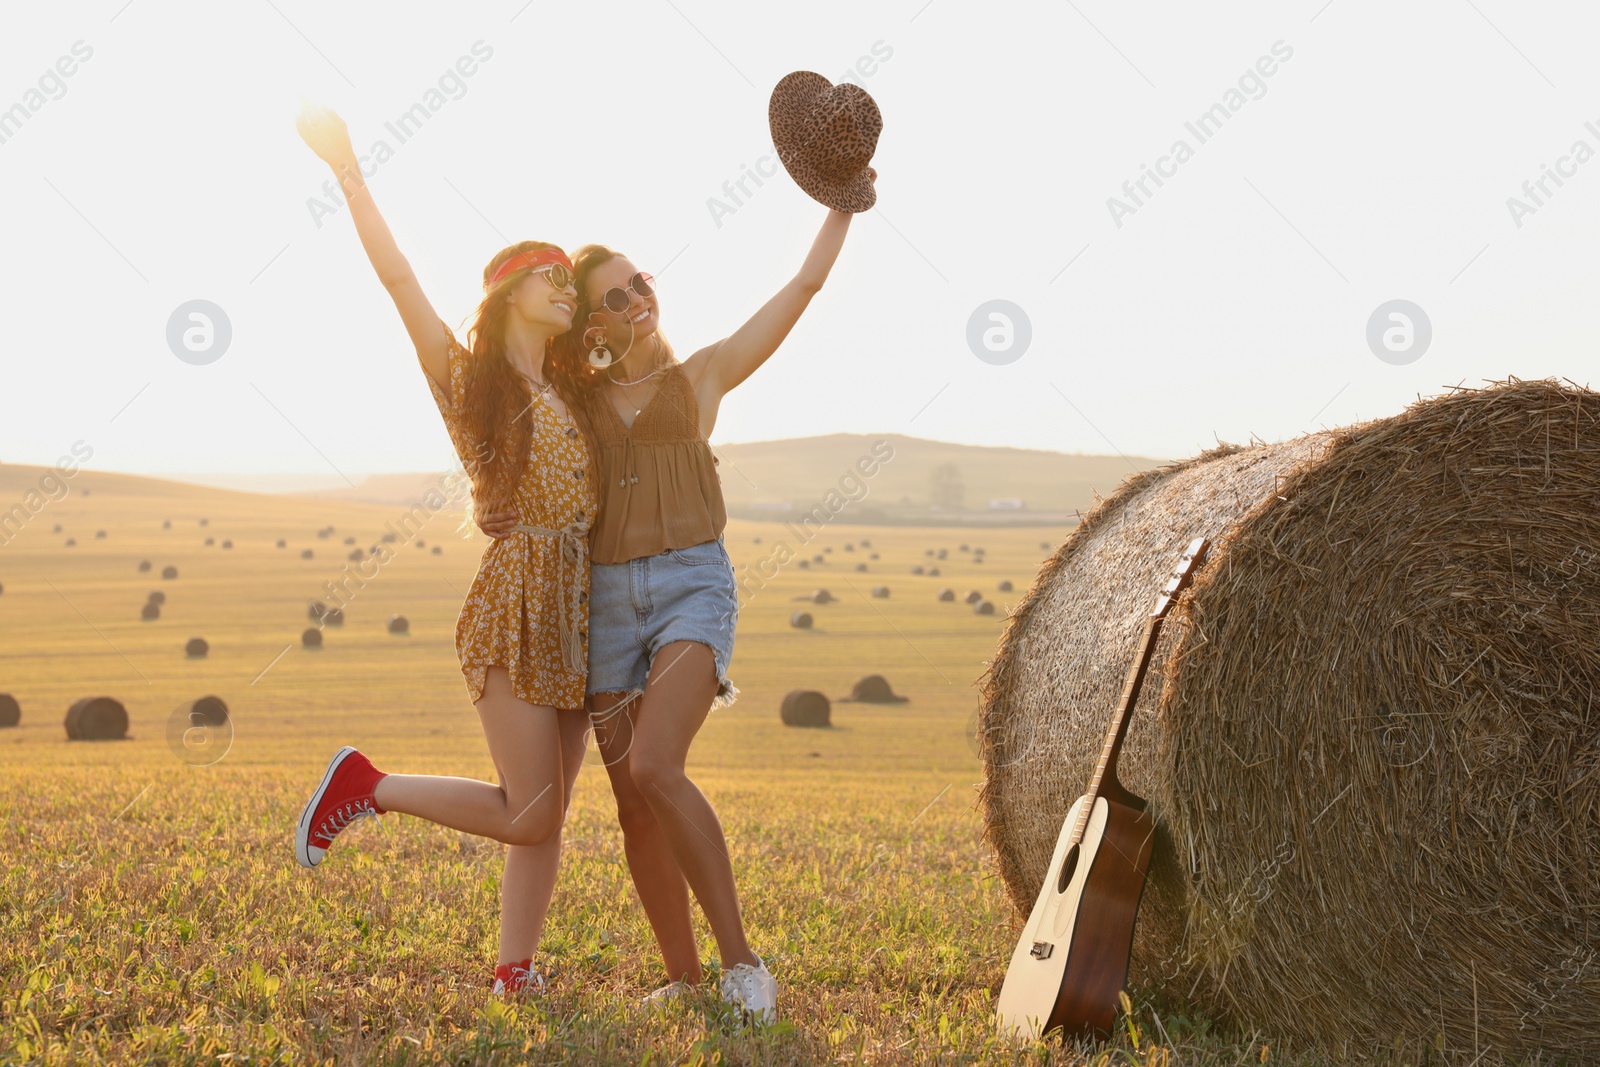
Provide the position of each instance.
(1182, 575)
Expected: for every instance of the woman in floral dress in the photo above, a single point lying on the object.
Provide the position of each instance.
(522, 634)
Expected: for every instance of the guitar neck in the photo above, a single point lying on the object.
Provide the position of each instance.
(1105, 770)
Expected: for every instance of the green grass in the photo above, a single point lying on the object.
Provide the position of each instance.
(151, 911)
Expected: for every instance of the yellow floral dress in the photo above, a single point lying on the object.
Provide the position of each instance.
(513, 615)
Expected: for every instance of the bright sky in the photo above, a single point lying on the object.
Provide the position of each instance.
(1359, 152)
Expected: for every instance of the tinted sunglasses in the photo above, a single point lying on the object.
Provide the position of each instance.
(556, 274)
(616, 298)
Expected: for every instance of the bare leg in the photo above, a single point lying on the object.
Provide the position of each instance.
(659, 882)
(676, 700)
(525, 810)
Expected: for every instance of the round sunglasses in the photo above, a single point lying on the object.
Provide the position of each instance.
(616, 298)
(556, 274)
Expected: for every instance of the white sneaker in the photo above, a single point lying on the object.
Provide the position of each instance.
(669, 992)
(752, 989)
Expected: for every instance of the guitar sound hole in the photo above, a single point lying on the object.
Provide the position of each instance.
(1069, 865)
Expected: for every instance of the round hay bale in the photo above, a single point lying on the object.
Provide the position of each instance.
(420, 543)
(334, 617)
(436, 550)
(10, 710)
(1369, 732)
(211, 710)
(827, 548)
(306, 553)
(150, 612)
(966, 548)
(97, 719)
(801, 620)
(349, 540)
(865, 543)
(875, 689)
(210, 541)
(947, 596)
(315, 610)
(933, 572)
(822, 596)
(917, 570)
(169, 573)
(861, 568)
(1005, 586)
(72, 542)
(880, 592)
(943, 553)
(399, 625)
(805, 707)
(205, 522)
(197, 648)
(282, 543)
(873, 556)
(144, 566)
(984, 607)
(972, 597)
(157, 597)
(805, 564)
(57, 528)
(227, 545)
(99, 535)
(166, 524)
(389, 538)
(849, 546)
(818, 559)
(356, 555)
(311, 638)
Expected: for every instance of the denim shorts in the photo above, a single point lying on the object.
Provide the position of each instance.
(637, 607)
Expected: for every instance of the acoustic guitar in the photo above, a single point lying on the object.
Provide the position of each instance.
(1072, 960)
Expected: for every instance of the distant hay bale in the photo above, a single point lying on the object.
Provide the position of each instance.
(144, 566)
(865, 543)
(822, 596)
(389, 538)
(943, 553)
(805, 564)
(827, 548)
(282, 543)
(57, 528)
(1044, 546)
(315, 610)
(97, 719)
(166, 524)
(805, 707)
(349, 540)
(436, 550)
(874, 689)
(169, 573)
(311, 638)
(211, 710)
(197, 648)
(356, 555)
(933, 572)
(1370, 732)
(156, 597)
(99, 535)
(420, 543)
(880, 592)
(947, 596)
(334, 617)
(818, 559)
(984, 607)
(861, 568)
(10, 710)
(210, 541)
(150, 612)
(205, 522)
(917, 570)
(873, 556)
(306, 553)
(972, 597)
(71, 542)
(965, 547)
(1005, 586)
(849, 546)
(399, 625)
(801, 620)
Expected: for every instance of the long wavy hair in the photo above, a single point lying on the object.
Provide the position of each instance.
(578, 383)
(496, 405)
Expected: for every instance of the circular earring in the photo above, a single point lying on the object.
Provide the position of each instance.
(599, 355)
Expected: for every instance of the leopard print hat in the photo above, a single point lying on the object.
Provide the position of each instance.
(825, 135)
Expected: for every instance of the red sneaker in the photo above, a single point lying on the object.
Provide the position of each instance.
(344, 796)
(517, 978)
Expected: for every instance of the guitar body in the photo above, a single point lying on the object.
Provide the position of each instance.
(1072, 959)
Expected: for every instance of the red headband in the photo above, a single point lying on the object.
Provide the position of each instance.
(536, 258)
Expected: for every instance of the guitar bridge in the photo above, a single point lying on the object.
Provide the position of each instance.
(1041, 950)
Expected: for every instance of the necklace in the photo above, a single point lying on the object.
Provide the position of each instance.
(636, 381)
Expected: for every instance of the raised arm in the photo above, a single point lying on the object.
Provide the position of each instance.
(733, 359)
(325, 133)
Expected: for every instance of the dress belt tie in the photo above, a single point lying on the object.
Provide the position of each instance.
(573, 545)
